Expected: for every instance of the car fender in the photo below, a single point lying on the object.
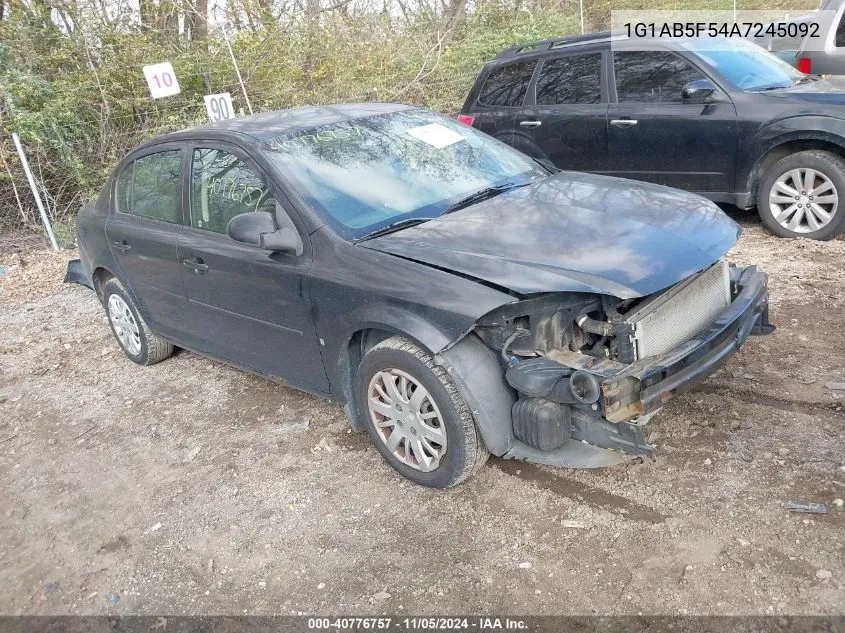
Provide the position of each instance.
(478, 374)
(796, 128)
(527, 145)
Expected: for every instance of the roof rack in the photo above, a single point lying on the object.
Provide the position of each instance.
(554, 42)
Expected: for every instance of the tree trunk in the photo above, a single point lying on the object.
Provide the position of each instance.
(201, 20)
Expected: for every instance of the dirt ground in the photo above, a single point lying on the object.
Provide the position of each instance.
(193, 488)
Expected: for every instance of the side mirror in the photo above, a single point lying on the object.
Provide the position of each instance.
(698, 91)
(281, 241)
(259, 229)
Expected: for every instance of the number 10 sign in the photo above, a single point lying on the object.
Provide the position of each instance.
(161, 79)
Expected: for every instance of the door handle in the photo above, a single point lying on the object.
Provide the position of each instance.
(197, 265)
(623, 123)
(530, 123)
(121, 246)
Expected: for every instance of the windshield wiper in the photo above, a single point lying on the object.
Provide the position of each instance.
(484, 194)
(392, 228)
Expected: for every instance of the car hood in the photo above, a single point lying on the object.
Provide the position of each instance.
(826, 91)
(574, 232)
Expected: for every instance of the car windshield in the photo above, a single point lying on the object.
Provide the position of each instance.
(365, 174)
(746, 65)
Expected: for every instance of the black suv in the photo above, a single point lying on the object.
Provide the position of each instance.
(737, 124)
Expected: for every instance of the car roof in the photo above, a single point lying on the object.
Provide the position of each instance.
(553, 43)
(268, 125)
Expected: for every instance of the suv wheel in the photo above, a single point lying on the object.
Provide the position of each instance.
(416, 416)
(803, 195)
(129, 328)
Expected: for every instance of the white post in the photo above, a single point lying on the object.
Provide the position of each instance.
(581, 9)
(237, 70)
(35, 194)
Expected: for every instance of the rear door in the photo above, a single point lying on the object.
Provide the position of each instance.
(247, 305)
(655, 136)
(500, 97)
(566, 115)
(143, 228)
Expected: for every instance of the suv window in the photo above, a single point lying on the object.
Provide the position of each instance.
(840, 33)
(506, 86)
(652, 76)
(156, 187)
(573, 79)
(222, 186)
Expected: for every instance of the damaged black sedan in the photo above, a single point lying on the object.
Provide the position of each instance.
(455, 296)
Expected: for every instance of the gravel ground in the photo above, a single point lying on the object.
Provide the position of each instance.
(193, 488)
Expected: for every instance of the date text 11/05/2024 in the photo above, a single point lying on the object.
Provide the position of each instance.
(418, 624)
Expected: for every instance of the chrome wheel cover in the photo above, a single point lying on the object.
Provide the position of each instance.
(407, 419)
(803, 200)
(124, 325)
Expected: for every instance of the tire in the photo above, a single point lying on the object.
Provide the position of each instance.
(142, 347)
(778, 196)
(464, 451)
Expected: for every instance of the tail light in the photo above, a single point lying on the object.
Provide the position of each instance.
(466, 119)
(805, 65)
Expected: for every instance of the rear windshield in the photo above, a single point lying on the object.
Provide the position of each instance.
(364, 174)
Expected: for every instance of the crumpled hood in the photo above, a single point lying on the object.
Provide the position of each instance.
(574, 232)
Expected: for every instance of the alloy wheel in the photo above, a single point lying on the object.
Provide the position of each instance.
(407, 419)
(803, 200)
(124, 325)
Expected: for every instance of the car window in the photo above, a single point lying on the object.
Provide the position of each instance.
(506, 86)
(652, 76)
(222, 186)
(124, 189)
(840, 33)
(156, 188)
(573, 79)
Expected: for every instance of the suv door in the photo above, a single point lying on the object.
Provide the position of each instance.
(247, 305)
(142, 230)
(501, 94)
(655, 136)
(566, 115)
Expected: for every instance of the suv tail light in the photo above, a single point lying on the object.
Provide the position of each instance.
(466, 119)
(805, 65)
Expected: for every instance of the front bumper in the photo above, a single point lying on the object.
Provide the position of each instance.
(646, 385)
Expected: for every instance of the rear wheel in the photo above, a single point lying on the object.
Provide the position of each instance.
(416, 416)
(800, 196)
(133, 335)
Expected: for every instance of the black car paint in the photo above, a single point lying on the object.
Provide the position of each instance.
(715, 149)
(299, 317)
(598, 234)
(338, 287)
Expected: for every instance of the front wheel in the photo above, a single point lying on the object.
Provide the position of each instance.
(416, 416)
(800, 196)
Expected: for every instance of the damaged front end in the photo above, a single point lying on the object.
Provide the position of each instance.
(591, 370)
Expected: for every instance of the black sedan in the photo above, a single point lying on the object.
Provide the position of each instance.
(455, 296)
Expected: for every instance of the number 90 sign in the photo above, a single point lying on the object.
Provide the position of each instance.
(219, 107)
(161, 79)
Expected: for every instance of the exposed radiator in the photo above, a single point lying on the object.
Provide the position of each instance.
(673, 317)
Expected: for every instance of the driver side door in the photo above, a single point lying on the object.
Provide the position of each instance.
(654, 136)
(247, 305)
